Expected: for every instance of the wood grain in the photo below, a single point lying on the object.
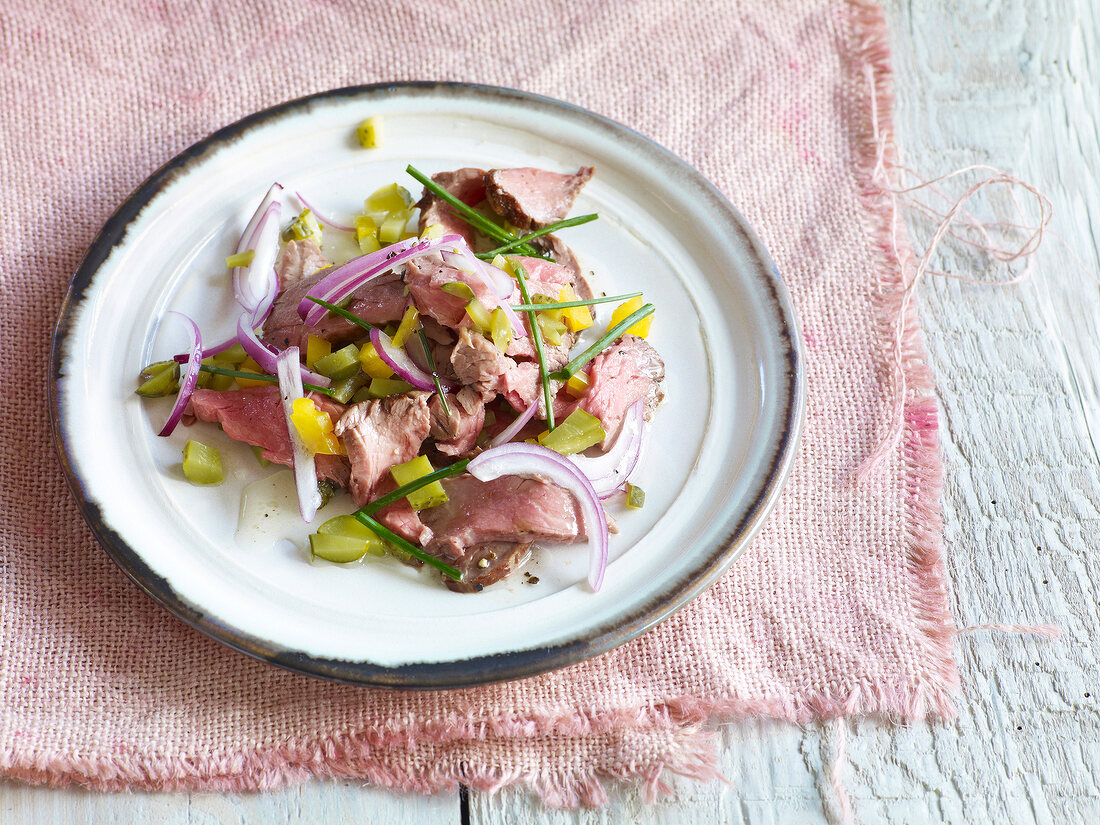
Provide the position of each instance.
(1013, 83)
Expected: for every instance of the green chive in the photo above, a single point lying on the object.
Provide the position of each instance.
(538, 233)
(435, 375)
(579, 303)
(570, 369)
(258, 376)
(472, 217)
(411, 549)
(343, 313)
(536, 334)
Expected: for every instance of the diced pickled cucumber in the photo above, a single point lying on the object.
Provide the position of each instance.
(340, 365)
(202, 464)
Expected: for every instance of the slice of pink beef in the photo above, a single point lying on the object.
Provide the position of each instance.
(510, 509)
(626, 371)
(379, 302)
(400, 517)
(468, 185)
(533, 198)
(255, 416)
(457, 433)
(379, 434)
(298, 260)
(425, 279)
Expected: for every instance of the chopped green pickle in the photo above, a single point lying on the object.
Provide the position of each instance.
(346, 528)
(480, 316)
(328, 490)
(340, 365)
(383, 387)
(500, 329)
(304, 226)
(202, 464)
(575, 434)
(393, 226)
(340, 549)
(635, 496)
(240, 259)
(429, 496)
(231, 357)
(162, 378)
(388, 198)
(459, 290)
(342, 391)
(259, 453)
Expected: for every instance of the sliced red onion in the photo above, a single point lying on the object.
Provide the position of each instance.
(261, 235)
(259, 315)
(265, 355)
(305, 470)
(497, 280)
(345, 279)
(504, 436)
(533, 459)
(325, 221)
(190, 376)
(608, 472)
(399, 361)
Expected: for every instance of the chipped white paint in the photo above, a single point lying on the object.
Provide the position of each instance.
(1015, 83)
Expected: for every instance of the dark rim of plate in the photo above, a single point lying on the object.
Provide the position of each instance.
(478, 670)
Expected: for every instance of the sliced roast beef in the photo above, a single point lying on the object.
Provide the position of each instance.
(426, 278)
(379, 302)
(298, 260)
(624, 372)
(456, 434)
(468, 185)
(379, 434)
(400, 516)
(255, 416)
(509, 509)
(487, 564)
(555, 247)
(533, 198)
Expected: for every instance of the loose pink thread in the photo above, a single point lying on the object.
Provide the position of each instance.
(897, 195)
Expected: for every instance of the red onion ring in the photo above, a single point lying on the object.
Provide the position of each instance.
(506, 435)
(321, 218)
(261, 235)
(305, 469)
(532, 459)
(259, 316)
(608, 472)
(190, 376)
(399, 361)
(266, 356)
(345, 279)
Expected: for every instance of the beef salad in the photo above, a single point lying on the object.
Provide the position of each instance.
(460, 381)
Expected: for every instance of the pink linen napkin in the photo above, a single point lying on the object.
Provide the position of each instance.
(840, 606)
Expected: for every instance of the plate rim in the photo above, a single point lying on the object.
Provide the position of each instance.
(460, 672)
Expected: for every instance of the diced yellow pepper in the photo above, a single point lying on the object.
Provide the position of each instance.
(316, 348)
(576, 318)
(370, 133)
(408, 324)
(577, 385)
(372, 363)
(641, 329)
(432, 231)
(388, 198)
(315, 428)
(248, 365)
(500, 262)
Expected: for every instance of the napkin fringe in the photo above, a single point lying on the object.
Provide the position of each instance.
(923, 464)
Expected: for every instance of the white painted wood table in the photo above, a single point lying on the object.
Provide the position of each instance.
(1012, 83)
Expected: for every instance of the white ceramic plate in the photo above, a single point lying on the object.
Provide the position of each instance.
(719, 448)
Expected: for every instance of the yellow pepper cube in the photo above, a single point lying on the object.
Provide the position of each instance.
(577, 385)
(408, 325)
(576, 318)
(315, 428)
(316, 348)
(372, 363)
(641, 329)
(248, 365)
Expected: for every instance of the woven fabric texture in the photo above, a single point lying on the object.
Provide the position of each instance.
(839, 607)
